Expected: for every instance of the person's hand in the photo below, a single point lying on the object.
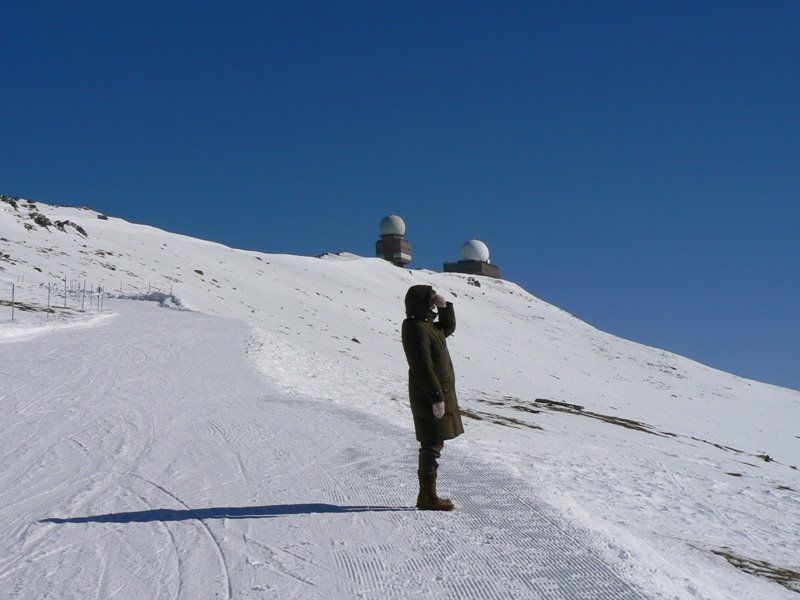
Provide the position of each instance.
(439, 301)
(438, 409)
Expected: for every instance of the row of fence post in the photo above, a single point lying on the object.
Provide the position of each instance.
(75, 289)
(67, 291)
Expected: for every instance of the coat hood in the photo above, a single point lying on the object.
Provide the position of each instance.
(418, 302)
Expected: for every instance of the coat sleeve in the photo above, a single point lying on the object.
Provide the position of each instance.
(447, 320)
(417, 346)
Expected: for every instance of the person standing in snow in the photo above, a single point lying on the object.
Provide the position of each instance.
(431, 385)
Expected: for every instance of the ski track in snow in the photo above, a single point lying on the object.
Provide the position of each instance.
(143, 459)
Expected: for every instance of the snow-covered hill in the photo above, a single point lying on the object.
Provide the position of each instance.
(687, 474)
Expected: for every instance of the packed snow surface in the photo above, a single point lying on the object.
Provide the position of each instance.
(183, 419)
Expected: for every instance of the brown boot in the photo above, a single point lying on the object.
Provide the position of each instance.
(427, 499)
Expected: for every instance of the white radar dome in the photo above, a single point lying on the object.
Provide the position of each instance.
(474, 250)
(393, 225)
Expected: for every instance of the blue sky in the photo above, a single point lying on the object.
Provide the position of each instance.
(635, 163)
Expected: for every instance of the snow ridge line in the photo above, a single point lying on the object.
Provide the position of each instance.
(215, 542)
(171, 536)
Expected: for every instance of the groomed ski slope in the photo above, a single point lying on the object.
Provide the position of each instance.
(146, 457)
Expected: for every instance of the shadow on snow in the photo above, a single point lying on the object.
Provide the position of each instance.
(242, 512)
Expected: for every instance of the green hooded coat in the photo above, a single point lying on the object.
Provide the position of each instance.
(430, 370)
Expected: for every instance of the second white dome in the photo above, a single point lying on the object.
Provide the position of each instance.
(474, 250)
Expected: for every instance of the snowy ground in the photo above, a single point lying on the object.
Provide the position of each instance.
(152, 452)
(153, 461)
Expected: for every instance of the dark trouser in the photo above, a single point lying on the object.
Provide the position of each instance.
(428, 453)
